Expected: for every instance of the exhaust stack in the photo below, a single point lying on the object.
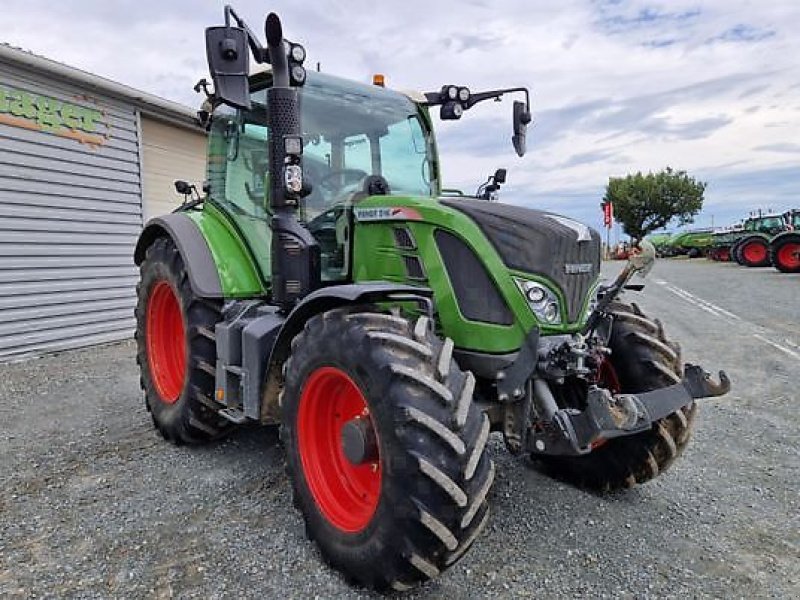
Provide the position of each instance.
(295, 253)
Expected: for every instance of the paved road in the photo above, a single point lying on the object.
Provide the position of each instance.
(94, 504)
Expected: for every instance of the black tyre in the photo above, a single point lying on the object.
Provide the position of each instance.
(176, 348)
(412, 499)
(785, 253)
(693, 252)
(642, 359)
(754, 252)
(736, 254)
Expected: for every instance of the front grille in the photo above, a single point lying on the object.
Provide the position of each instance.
(536, 242)
(476, 294)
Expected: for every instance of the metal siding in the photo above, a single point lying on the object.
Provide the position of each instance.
(70, 215)
(169, 153)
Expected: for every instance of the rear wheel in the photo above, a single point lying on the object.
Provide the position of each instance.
(755, 253)
(176, 348)
(785, 254)
(642, 359)
(385, 448)
(736, 254)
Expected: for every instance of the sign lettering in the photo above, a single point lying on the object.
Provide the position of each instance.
(90, 126)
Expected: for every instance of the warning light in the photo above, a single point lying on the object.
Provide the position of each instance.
(379, 80)
(220, 395)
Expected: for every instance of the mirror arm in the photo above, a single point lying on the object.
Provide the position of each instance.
(260, 54)
(435, 98)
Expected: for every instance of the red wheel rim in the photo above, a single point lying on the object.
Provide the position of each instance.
(607, 377)
(754, 252)
(346, 494)
(166, 347)
(789, 255)
(725, 255)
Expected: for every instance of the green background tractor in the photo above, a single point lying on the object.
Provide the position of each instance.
(784, 248)
(750, 247)
(325, 284)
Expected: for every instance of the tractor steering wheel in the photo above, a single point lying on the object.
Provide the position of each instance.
(327, 182)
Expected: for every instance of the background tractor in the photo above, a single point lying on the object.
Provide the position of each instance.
(325, 284)
(750, 247)
(784, 248)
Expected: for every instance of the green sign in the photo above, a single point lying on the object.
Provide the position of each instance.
(42, 113)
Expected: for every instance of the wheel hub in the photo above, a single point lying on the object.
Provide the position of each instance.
(755, 252)
(789, 255)
(359, 442)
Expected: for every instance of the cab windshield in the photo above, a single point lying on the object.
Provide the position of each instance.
(350, 131)
(771, 222)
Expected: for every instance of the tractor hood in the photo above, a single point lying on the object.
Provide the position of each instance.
(540, 243)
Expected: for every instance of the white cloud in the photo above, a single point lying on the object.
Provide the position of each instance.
(711, 87)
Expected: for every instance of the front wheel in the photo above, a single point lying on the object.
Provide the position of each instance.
(642, 359)
(385, 449)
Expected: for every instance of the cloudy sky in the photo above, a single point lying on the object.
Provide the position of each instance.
(711, 87)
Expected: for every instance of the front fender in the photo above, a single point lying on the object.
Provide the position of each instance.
(315, 303)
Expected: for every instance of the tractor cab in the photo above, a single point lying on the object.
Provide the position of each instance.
(358, 141)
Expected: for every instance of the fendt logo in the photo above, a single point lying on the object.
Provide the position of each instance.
(90, 126)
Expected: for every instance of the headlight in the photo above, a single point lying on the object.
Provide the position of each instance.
(293, 178)
(298, 53)
(542, 300)
(536, 294)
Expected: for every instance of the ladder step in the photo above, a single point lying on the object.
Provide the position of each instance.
(234, 415)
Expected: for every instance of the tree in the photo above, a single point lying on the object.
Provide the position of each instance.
(645, 203)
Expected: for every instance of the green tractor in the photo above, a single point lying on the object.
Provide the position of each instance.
(784, 248)
(324, 284)
(750, 247)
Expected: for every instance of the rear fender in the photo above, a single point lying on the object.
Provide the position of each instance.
(216, 254)
(786, 235)
(191, 244)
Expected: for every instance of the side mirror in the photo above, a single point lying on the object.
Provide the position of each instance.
(229, 64)
(521, 119)
(500, 176)
(182, 187)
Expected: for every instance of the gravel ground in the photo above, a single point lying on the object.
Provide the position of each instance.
(93, 504)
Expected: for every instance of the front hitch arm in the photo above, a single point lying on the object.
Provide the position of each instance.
(573, 432)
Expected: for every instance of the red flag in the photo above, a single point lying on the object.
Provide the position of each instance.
(608, 214)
